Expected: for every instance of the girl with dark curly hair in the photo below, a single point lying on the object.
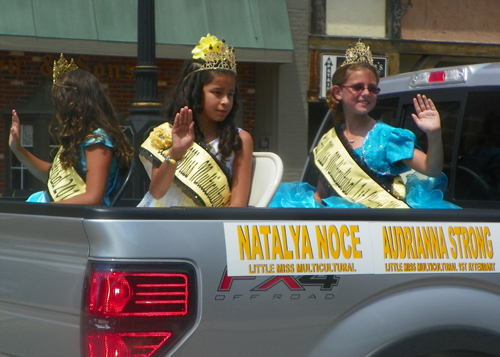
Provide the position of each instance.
(199, 157)
(92, 146)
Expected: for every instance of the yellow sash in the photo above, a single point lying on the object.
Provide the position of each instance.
(64, 183)
(348, 179)
(198, 171)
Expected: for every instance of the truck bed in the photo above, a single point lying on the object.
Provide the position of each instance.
(45, 252)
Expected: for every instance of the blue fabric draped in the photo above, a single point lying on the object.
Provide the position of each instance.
(383, 150)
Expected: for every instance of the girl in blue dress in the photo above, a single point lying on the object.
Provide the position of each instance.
(92, 145)
(362, 161)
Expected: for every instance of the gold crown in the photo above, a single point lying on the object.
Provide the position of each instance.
(62, 66)
(357, 54)
(215, 54)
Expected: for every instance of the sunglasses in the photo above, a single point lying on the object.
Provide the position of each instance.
(358, 88)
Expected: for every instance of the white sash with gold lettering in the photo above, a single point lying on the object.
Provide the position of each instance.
(347, 178)
(64, 183)
(198, 171)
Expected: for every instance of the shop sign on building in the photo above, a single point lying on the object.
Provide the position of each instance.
(330, 62)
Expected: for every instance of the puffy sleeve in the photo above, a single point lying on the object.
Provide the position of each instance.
(400, 145)
(385, 147)
(101, 138)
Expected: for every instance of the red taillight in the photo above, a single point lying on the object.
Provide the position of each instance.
(137, 310)
(128, 294)
(103, 344)
(109, 292)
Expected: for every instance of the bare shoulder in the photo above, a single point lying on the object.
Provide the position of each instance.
(246, 138)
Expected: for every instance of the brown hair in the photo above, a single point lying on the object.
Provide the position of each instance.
(81, 107)
(338, 79)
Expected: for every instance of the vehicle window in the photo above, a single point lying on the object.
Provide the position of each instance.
(478, 170)
(448, 112)
(386, 111)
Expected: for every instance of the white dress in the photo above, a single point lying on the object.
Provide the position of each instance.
(175, 197)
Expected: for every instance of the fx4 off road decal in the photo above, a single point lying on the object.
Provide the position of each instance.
(304, 287)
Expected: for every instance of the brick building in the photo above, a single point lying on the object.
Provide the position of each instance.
(270, 39)
(26, 80)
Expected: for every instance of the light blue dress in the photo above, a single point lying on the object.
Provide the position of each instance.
(113, 178)
(383, 150)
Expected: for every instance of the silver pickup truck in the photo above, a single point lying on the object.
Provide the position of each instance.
(126, 281)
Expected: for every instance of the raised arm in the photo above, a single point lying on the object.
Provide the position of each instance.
(182, 139)
(39, 168)
(242, 172)
(428, 120)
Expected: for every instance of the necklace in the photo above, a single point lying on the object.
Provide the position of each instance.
(363, 133)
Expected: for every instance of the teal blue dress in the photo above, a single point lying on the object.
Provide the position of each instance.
(383, 151)
(113, 178)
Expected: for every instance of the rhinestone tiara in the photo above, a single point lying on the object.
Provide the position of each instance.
(62, 66)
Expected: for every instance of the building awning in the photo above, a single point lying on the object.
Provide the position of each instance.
(259, 30)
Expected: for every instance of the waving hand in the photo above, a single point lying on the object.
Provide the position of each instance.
(182, 133)
(427, 117)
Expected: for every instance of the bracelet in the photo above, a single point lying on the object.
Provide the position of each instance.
(172, 161)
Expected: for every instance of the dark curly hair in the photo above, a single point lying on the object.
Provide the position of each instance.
(81, 107)
(189, 92)
(338, 79)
